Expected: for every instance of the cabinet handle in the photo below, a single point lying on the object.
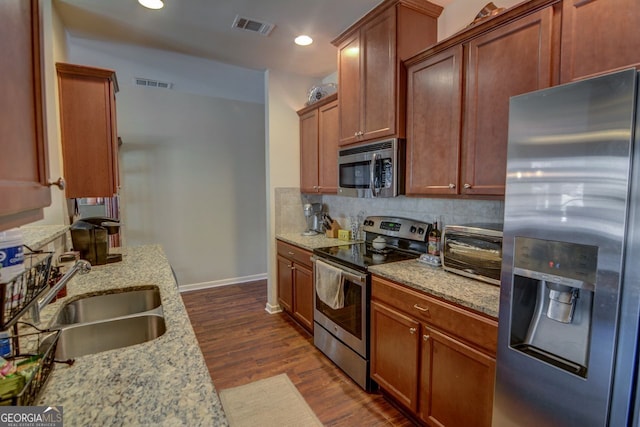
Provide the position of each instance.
(452, 186)
(412, 330)
(60, 183)
(417, 307)
(290, 253)
(425, 337)
(467, 186)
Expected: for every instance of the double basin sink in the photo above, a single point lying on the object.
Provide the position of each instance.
(109, 321)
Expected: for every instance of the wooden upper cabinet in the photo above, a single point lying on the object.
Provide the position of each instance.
(434, 114)
(510, 60)
(89, 130)
(309, 151)
(599, 36)
(328, 148)
(457, 138)
(371, 86)
(319, 147)
(23, 159)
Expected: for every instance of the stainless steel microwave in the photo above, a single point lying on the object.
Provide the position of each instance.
(371, 170)
(473, 250)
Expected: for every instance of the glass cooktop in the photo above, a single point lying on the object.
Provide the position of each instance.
(360, 256)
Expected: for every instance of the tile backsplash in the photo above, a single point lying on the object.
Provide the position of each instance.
(290, 218)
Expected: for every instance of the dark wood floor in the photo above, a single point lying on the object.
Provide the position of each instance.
(242, 343)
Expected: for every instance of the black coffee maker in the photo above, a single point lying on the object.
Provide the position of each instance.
(90, 237)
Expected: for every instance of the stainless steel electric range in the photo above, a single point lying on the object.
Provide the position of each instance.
(343, 289)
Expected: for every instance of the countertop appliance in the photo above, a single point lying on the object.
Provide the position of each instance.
(373, 169)
(314, 217)
(342, 331)
(473, 250)
(89, 236)
(570, 292)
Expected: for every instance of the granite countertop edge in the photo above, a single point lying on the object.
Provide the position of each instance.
(36, 236)
(312, 242)
(469, 293)
(164, 381)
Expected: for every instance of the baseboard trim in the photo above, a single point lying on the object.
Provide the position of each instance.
(224, 282)
(273, 309)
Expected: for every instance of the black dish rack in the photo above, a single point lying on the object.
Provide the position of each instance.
(41, 347)
(18, 295)
(16, 298)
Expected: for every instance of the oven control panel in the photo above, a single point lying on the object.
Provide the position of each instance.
(404, 228)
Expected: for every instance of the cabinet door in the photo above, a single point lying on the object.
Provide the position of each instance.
(394, 353)
(507, 61)
(379, 78)
(434, 110)
(309, 152)
(89, 136)
(349, 89)
(303, 295)
(598, 36)
(285, 284)
(328, 148)
(456, 382)
(23, 159)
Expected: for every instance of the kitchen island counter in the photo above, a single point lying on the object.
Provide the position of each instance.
(161, 382)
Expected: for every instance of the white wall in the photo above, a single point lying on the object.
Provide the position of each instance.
(192, 162)
(54, 50)
(286, 94)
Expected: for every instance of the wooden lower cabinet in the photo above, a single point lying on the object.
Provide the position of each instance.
(456, 382)
(443, 378)
(303, 295)
(395, 347)
(295, 283)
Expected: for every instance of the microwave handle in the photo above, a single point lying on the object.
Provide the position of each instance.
(372, 177)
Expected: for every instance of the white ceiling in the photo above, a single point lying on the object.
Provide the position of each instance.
(202, 28)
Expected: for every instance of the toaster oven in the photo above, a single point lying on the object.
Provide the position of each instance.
(473, 250)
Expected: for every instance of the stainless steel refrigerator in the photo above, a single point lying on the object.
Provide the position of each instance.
(570, 284)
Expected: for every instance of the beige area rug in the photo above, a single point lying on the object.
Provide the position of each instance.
(274, 401)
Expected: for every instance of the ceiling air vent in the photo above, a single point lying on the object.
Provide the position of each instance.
(248, 24)
(139, 81)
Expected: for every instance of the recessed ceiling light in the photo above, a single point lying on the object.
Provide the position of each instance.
(152, 4)
(303, 40)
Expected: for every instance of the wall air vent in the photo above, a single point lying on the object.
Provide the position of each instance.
(249, 24)
(139, 81)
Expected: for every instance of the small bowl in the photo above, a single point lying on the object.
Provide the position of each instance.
(379, 243)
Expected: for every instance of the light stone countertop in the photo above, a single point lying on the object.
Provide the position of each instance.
(473, 294)
(163, 382)
(36, 236)
(312, 242)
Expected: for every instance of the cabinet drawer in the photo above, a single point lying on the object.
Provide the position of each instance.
(473, 328)
(294, 253)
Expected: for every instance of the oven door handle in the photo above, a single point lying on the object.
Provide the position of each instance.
(352, 275)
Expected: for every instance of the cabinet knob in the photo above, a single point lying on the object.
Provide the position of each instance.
(425, 337)
(452, 186)
(356, 134)
(467, 186)
(417, 307)
(412, 330)
(60, 183)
